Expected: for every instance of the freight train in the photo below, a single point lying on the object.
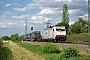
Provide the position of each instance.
(54, 34)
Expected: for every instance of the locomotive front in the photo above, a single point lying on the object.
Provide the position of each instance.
(60, 33)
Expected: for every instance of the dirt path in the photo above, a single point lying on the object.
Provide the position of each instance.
(20, 53)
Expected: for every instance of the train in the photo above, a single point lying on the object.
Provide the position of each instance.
(54, 34)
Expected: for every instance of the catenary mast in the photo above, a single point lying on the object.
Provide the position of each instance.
(26, 29)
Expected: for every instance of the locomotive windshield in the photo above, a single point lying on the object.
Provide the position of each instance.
(60, 29)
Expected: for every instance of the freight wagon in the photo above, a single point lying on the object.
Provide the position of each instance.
(55, 34)
(36, 35)
(33, 36)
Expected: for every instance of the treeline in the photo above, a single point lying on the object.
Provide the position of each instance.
(13, 37)
(81, 26)
(5, 38)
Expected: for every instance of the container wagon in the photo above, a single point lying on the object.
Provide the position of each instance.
(36, 35)
(33, 36)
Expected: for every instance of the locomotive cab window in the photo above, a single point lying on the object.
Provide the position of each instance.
(53, 29)
(60, 29)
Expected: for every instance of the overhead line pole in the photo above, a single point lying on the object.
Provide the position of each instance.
(26, 29)
(89, 23)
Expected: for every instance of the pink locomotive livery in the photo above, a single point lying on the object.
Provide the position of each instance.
(55, 34)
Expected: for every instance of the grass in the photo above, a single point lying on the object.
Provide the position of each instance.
(77, 37)
(34, 48)
(54, 56)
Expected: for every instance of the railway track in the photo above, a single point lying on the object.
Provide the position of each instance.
(67, 42)
(83, 43)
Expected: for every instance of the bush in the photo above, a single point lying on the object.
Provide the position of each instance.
(5, 54)
(1, 43)
(78, 37)
(15, 37)
(50, 48)
(69, 52)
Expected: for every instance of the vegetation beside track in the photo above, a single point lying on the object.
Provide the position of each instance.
(37, 49)
(5, 52)
(81, 37)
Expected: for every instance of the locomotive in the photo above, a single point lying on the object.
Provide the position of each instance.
(54, 34)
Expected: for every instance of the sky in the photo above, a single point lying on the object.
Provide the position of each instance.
(13, 14)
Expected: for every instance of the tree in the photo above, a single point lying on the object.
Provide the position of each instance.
(1, 43)
(82, 21)
(15, 37)
(81, 26)
(76, 28)
(84, 25)
(5, 38)
(11, 37)
(65, 19)
(65, 14)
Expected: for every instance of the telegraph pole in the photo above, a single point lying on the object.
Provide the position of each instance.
(89, 23)
(26, 29)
